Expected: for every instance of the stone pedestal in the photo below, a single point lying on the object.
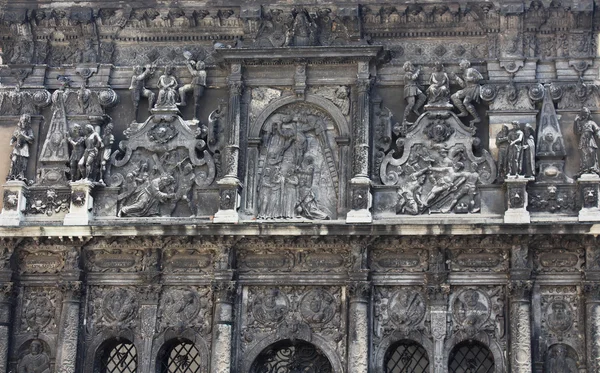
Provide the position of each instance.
(229, 201)
(14, 203)
(588, 187)
(516, 197)
(82, 203)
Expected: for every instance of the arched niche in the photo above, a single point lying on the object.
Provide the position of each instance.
(298, 144)
(170, 337)
(392, 340)
(318, 342)
(481, 340)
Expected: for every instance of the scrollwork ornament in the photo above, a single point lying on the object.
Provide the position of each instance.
(536, 92)
(108, 97)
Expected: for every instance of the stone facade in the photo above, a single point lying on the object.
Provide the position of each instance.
(283, 187)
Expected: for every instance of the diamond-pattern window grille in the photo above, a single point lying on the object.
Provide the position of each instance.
(122, 358)
(181, 358)
(406, 357)
(288, 357)
(471, 357)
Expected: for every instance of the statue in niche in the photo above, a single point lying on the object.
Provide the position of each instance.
(439, 86)
(414, 96)
(167, 84)
(21, 139)
(89, 162)
(529, 150)
(588, 131)
(469, 93)
(36, 361)
(502, 146)
(138, 87)
(286, 186)
(147, 198)
(515, 150)
(559, 361)
(303, 31)
(77, 141)
(108, 140)
(198, 84)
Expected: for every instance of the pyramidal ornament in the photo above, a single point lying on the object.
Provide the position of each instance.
(550, 150)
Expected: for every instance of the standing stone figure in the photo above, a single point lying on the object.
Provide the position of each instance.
(588, 131)
(469, 93)
(108, 140)
(88, 163)
(76, 139)
(502, 145)
(36, 361)
(415, 98)
(515, 150)
(197, 86)
(138, 88)
(21, 139)
(167, 84)
(439, 86)
(529, 150)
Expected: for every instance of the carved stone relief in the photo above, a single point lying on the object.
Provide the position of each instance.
(182, 307)
(297, 173)
(476, 310)
(112, 308)
(401, 310)
(40, 310)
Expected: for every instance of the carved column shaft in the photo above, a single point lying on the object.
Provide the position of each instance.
(361, 129)
(438, 305)
(222, 327)
(592, 333)
(232, 148)
(66, 354)
(520, 327)
(358, 344)
(148, 314)
(6, 291)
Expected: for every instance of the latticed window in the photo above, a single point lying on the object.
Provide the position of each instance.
(406, 357)
(181, 357)
(471, 357)
(288, 357)
(119, 358)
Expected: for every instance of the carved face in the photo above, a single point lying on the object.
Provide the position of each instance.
(472, 298)
(315, 305)
(36, 347)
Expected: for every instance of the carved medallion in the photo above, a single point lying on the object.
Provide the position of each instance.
(119, 305)
(471, 310)
(162, 132)
(559, 316)
(180, 307)
(407, 308)
(270, 306)
(39, 312)
(317, 306)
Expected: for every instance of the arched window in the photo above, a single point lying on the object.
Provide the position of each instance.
(180, 357)
(471, 357)
(117, 357)
(406, 357)
(291, 357)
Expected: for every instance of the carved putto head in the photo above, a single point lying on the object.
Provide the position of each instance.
(464, 64)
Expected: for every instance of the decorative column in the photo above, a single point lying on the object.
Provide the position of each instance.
(68, 337)
(360, 184)
(148, 313)
(437, 294)
(224, 291)
(592, 304)
(14, 203)
(229, 185)
(520, 326)
(588, 187)
(517, 200)
(6, 300)
(82, 203)
(358, 327)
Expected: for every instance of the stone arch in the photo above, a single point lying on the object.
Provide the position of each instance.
(396, 337)
(572, 357)
(94, 348)
(319, 342)
(484, 340)
(335, 156)
(328, 106)
(166, 339)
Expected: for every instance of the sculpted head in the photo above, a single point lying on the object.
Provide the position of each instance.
(408, 66)
(585, 112)
(36, 347)
(464, 64)
(25, 120)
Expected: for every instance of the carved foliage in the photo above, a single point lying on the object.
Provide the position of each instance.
(112, 308)
(185, 307)
(40, 310)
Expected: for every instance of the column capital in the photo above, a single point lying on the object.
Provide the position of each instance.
(520, 290)
(359, 290)
(224, 291)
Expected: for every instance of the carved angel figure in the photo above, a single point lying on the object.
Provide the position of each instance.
(167, 84)
(414, 96)
(36, 361)
(588, 131)
(439, 85)
(21, 140)
(469, 93)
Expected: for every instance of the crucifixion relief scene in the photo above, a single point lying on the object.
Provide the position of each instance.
(300, 186)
